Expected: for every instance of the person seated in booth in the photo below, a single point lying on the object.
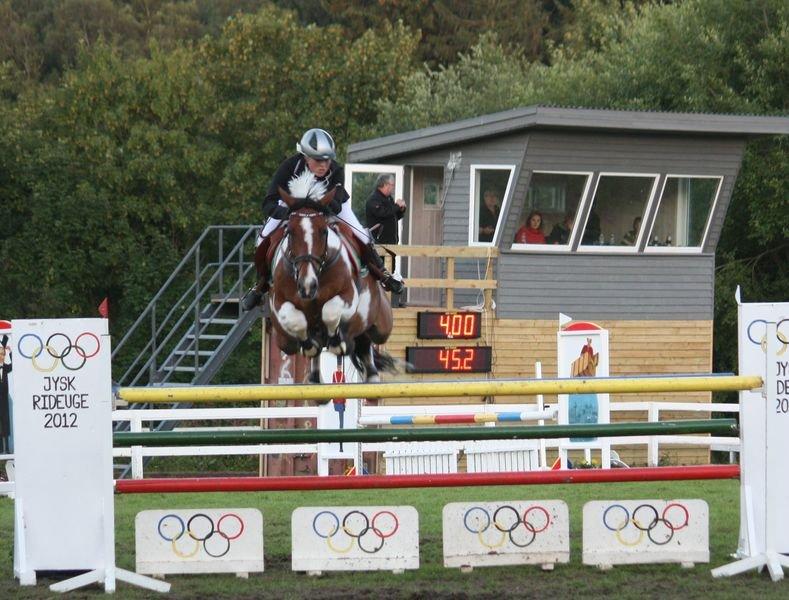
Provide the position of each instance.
(560, 234)
(631, 236)
(488, 215)
(531, 231)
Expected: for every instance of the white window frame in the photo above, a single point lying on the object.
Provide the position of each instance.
(644, 216)
(584, 199)
(683, 249)
(472, 214)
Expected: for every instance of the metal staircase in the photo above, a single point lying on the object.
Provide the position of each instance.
(195, 320)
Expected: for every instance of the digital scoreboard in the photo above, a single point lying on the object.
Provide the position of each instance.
(441, 359)
(449, 359)
(448, 326)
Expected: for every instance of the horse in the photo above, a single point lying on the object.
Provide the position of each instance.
(320, 297)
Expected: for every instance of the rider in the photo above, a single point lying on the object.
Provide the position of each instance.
(316, 152)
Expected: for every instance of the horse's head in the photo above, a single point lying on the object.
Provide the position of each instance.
(308, 240)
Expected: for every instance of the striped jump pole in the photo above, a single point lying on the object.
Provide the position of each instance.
(497, 417)
(334, 482)
(312, 436)
(442, 389)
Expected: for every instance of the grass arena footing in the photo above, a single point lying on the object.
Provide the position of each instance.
(338, 482)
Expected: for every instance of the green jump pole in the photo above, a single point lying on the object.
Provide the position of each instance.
(312, 436)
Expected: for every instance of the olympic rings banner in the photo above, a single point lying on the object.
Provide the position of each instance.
(481, 534)
(63, 437)
(618, 532)
(752, 352)
(355, 538)
(199, 541)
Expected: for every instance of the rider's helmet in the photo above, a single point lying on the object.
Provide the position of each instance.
(317, 144)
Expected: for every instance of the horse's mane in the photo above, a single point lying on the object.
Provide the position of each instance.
(307, 186)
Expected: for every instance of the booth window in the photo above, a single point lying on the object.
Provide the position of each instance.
(549, 211)
(490, 185)
(617, 212)
(684, 211)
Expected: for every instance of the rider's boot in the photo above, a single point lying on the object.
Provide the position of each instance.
(377, 267)
(255, 295)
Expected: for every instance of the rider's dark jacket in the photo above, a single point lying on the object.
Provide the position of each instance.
(292, 167)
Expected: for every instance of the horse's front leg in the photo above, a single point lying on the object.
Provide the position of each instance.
(294, 323)
(336, 312)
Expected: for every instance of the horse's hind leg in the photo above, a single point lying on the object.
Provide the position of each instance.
(315, 370)
(363, 353)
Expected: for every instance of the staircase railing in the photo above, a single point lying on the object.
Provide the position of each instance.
(202, 293)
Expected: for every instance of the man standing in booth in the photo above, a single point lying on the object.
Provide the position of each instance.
(382, 211)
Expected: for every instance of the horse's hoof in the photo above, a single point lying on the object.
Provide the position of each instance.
(339, 350)
(314, 377)
(310, 349)
(336, 345)
(252, 299)
(374, 378)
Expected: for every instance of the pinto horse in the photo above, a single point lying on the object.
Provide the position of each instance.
(320, 297)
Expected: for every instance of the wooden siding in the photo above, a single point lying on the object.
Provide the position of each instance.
(605, 286)
(636, 348)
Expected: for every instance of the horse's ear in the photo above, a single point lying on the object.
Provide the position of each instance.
(326, 200)
(286, 198)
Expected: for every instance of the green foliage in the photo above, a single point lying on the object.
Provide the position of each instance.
(449, 27)
(108, 177)
(44, 37)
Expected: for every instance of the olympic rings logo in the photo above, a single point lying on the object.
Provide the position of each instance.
(760, 339)
(202, 531)
(506, 520)
(369, 534)
(61, 350)
(658, 527)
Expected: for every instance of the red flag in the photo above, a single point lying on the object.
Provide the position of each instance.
(104, 308)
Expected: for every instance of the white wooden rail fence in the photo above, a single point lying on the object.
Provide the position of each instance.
(496, 455)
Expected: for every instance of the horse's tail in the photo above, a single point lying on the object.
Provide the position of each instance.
(386, 362)
(383, 361)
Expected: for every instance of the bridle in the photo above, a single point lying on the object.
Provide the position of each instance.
(318, 262)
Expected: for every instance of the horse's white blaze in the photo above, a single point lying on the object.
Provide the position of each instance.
(292, 320)
(311, 277)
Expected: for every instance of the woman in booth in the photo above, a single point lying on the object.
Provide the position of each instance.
(531, 231)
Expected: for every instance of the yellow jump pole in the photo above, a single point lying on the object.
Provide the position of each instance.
(440, 389)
